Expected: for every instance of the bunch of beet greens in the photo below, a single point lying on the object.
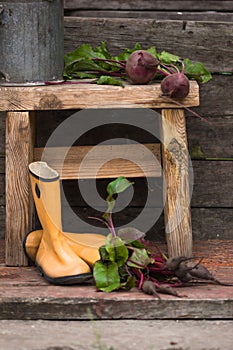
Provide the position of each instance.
(126, 262)
(135, 65)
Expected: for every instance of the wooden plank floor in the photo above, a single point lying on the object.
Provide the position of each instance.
(24, 294)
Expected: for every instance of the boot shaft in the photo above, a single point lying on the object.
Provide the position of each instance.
(45, 184)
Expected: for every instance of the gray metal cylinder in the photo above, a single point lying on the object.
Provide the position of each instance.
(31, 41)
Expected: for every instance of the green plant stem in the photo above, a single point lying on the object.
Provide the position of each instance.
(119, 63)
(136, 263)
(100, 220)
(187, 109)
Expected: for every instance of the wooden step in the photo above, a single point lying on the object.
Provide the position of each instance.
(24, 294)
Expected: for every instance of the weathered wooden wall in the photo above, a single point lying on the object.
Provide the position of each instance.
(158, 9)
(200, 30)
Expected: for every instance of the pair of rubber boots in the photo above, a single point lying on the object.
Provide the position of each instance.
(62, 257)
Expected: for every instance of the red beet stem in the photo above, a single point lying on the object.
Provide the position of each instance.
(188, 109)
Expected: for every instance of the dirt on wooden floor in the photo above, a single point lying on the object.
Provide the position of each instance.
(116, 335)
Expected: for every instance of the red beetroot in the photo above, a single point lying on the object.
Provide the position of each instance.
(175, 85)
(141, 67)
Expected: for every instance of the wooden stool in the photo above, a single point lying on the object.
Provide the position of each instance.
(20, 104)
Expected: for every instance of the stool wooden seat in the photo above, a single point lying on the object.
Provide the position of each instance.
(20, 104)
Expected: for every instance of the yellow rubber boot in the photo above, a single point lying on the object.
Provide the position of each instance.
(31, 243)
(85, 245)
(55, 258)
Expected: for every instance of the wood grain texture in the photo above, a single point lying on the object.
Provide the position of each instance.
(2, 143)
(2, 222)
(208, 42)
(19, 152)
(215, 138)
(2, 133)
(36, 50)
(87, 162)
(212, 223)
(71, 303)
(213, 184)
(216, 96)
(2, 189)
(201, 5)
(176, 172)
(158, 15)
(70, 96)
(2, 161)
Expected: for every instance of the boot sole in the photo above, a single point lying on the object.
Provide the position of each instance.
(63, 280)
(67, 280)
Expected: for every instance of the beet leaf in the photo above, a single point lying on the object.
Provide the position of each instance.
(97, 63)
(116, 249)
(167, 58)
(106, 276)
(131, 234)
(196, 71)
(108, 80)
(139, 258)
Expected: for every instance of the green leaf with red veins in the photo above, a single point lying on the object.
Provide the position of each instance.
(139, 259)
(116, 249)
(106, 276)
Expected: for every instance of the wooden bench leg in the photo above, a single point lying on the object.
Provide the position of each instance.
(177, 197)
(19, 152)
